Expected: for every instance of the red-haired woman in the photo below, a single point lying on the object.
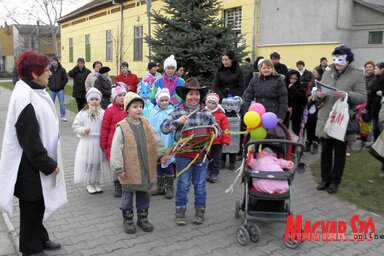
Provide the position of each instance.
(29, 165)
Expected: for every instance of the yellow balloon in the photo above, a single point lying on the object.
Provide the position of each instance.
(252, 119)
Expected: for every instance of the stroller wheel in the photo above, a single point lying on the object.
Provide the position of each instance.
(242, 236)
(254, 233)
(237, 209)
(292, 244)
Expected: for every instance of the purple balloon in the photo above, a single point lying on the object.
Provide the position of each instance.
(269, 120)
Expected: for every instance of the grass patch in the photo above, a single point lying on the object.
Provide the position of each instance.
(361, 184)
(70, 102)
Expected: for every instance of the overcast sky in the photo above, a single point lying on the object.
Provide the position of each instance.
(17, 7)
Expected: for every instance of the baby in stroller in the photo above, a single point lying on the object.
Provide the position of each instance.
(267, 161)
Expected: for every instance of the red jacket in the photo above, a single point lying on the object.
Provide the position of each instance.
(112, 116)
(131, 80)
(222, 121)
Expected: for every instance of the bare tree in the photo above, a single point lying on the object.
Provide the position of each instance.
(119, 52)
(47, 12)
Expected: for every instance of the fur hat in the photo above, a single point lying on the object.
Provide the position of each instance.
(93, 93)
(104, 70)
(170, 62)
(214, 97)
(191, 84)
(131, 97)
(116, 90)
(344, 50)
(162, 93)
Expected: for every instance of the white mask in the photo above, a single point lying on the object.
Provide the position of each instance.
(340, 59)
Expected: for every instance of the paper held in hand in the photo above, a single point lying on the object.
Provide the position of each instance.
(328, 90)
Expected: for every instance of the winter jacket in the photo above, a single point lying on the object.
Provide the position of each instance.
(269, 91)
(374, 101)
(135, 150)
(222, 122)
(58, 79)
(156, 118)
(297, 100)
(351, 81)
(369, 81)
(35, 158)
(281, 69)
(104, 86)
(112, 116)
(130, 79)
(79, 77)
(171, 83)
(229, 81)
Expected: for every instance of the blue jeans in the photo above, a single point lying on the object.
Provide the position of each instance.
(197, 173)
(60, 95)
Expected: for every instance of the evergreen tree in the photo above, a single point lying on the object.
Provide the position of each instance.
(192, 31)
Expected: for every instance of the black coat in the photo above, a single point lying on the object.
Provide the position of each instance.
(229, 81)
(374, 101)
(269, 91)
(281, 69)
(58, 79)
(35, 157)
(104, 86)
(297, 100)
(79, 77)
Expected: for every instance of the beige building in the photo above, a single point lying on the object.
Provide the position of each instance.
(14, 39)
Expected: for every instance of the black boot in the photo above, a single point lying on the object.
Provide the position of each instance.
(142, 221)
(129, 226)
(169, 187)
(180, 216)
(117, 185)
(159, 187)
(199, 216)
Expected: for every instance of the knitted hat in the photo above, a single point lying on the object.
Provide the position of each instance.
(130, 98)
(151, 65)
(162, 93)
(116, 90)
(93, 93)
(104, 70)
(170, 62)
(380, 65)
(214, 97)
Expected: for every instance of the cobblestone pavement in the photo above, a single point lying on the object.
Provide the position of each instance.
(92, 224)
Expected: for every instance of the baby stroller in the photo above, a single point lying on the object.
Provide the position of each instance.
(259, 206)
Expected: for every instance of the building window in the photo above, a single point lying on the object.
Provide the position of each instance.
(109, 46)
(138, 44)
(70, 49)
(87, 47)
(233, 17)
(375, 37)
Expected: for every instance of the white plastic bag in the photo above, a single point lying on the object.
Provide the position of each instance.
(337, 123)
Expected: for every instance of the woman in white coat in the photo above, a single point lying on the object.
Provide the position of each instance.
(29, 165)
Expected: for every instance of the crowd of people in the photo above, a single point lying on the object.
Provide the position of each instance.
(126, 126)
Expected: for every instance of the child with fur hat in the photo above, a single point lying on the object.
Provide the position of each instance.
(169, 80)
(113, 114)
(91, 167)
(212, 104)
(165, 171)
(136, 147)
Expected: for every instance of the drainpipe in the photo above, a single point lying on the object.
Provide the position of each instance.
(149, 27)
(254, 31)
(38, 36)
(121, 32)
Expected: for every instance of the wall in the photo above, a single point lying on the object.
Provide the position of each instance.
(290, 54)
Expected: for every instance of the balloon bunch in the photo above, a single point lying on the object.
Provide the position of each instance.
(258, 121)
